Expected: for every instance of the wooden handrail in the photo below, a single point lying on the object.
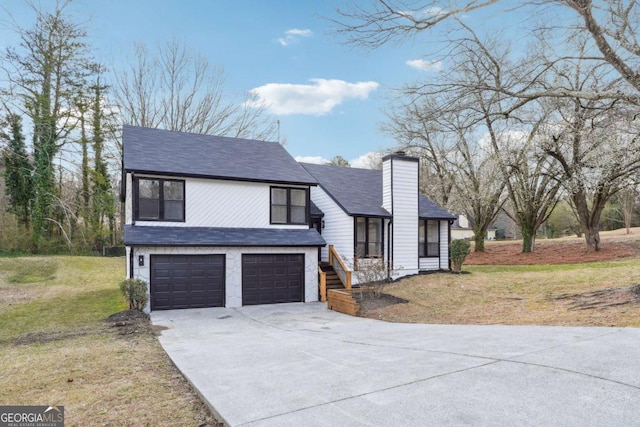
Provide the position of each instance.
(340, 267)
(323, 284)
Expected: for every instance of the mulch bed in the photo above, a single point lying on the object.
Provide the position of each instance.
(130, 322)
(368, 301)
(552, 252)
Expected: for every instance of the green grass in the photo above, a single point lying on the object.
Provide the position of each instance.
(29, 270)
(65, 293)
(518, 295)
(55, 345)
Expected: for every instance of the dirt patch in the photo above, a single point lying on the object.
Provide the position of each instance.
(10, 295)
(44, 337)
(601, 298)
(130, 322)
(126, 323)
(370, 303)
(553, 252)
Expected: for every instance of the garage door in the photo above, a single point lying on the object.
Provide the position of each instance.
(187, 281)
(269, 279)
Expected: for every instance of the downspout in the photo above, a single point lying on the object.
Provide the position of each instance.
(389, 226)
(449, 238)
(134, 194)
(131, 258)
(389, 258)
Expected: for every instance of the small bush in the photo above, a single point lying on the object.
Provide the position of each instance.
(135, 292)
(372, 274)
(459, 251)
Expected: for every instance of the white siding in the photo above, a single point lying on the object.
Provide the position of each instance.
(338, 226)
(387, 203)
(428, 264)
(220, 203)
(233, 265)
(444, 244)
(441, 262)
(404, 188)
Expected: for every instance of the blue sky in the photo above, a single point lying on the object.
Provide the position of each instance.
(328, 97)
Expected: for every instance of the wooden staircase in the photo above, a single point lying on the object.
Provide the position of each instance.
(333, 281)
(332, 275)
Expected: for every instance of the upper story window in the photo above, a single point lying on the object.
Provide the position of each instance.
(159, 199)
(429, 238)
(368, 237)
(289, 205)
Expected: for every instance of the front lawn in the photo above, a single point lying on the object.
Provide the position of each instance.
(57, 349)
(521, 295)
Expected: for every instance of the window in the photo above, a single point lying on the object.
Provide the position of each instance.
(289, 205)
(368, 237)
(159, 199)
(429, 238)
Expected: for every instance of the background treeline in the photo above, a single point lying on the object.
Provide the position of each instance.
(61, 114)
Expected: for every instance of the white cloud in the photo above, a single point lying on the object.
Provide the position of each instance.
(318, 98)
(418, 14)
(421, 64)
(293, 35)
(318, 160)
(367, 161)
(434, 11)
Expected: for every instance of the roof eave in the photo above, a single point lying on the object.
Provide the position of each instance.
(222, 178)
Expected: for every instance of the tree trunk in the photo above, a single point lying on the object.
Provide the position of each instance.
(478, 238)
(592, 236)
(528, 239)
(589, 219)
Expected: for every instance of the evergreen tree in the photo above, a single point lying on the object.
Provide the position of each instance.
(47, 70)
(18, 180)
(103, 206)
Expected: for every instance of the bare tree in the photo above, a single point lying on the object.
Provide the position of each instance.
(176, 88)
(587, 87)
(386, 21)
(627, 201)
(611, 24)
(512, 128)
(469, 178)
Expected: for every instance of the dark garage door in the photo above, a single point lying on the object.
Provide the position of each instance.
(269, 279)
(187, 281)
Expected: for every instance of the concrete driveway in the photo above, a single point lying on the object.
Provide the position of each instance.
(303, 365)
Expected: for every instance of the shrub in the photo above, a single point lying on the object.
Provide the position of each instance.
(459, 251)
(372, 274)
(135, 292)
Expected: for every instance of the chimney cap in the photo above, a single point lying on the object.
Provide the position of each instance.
(400, 153)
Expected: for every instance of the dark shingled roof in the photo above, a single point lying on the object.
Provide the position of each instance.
(359, 191)
(429, 210)
(216, 236)
(315, 211)
(356, 191)
(189, 154)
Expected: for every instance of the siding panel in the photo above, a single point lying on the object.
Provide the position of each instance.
(405, 215)
(338, 229)
(219, 203)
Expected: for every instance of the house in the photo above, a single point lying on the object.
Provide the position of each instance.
(216, 221)
(213, 221)
(461, 229)
(373, 214)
